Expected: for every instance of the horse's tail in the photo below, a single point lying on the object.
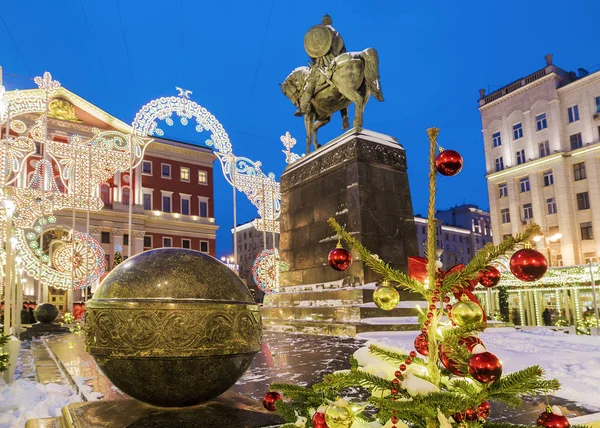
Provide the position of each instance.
(372, 72)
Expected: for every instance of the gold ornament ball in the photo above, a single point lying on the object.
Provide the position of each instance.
(386, 297)
(339, 415)
(466, 312)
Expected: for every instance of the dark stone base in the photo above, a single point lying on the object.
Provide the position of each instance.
(42, 329)
(227, 410)
(359, 179)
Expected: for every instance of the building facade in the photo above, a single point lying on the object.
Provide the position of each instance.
(169, 194)
(462, 231)
(542, 138)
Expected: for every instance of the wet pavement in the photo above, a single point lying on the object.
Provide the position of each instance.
(287, 358)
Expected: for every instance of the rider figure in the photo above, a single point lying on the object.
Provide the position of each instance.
(322, 63)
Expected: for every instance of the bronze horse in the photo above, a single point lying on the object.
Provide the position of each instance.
(355, 77)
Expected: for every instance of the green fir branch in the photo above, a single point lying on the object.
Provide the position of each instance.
(528, 381)
(375, 263)
(339, 381)
(392, 356)
(288, 411)
(508, 425)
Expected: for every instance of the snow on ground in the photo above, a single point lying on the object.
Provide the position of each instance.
(573, 360)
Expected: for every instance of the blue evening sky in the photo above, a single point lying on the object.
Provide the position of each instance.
(434, 56)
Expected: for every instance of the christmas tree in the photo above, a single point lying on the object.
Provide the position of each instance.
(3, 356)
(450, 377)
(118, 259)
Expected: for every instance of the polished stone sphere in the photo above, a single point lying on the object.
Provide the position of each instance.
(45, 313)
(173, 327)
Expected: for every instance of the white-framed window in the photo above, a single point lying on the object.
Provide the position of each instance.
(505, 213)
(579, 171)
(497, 139)
(184, 174)
(503, 190)
(517, 131)
(125, 195)
(147, 198)
(202, 177)
(105, 193)
(573, 113)
(540, 121)
(184, 207)
(551, 206)
(167, 241)
(521, 157)
(165, 170)
(524, 184)
(576, 141)
(147, 241)
(583, 201)
(203, 207)
(548, 178)
(147, 167)
(499, 164)
(544, 147)
(204, 247)
(166, 201)
(527, 212)
(186, 243)
(586, 231)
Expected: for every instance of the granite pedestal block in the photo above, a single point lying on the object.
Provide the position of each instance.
(42, 329)
(359, 179)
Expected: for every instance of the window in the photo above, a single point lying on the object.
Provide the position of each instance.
(544, 149)
(423, 230)
(524, 182)
(105, 194)
(185, 204)
(167, 242)
(597, 104)
(105, 237)
(106, 262)
(540, 121)
(583, 201)
(148, 241)
(579, 171)
(505, 215)
(185, 174)
(589, 257)
(202, 177)
(520, 157)
(551, 206)
(548, 178)
(573, 113)
(166, 203)
(503, 190)
(586, 231)
(204, 246)
(576, 141)
(527, 212)
(517, 131)
(165, 170)
(125, 239)
(186, 243)
(497, 141)
(125, 196)
(505, 237)
(204, 208)
(147, 201)
(499, 164)
(147, 167)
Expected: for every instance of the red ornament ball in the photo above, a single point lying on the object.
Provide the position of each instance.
(467, 415)
(485, 366)
(449, 363)
(489, 277)
(528, 265)
(269, 400)
(449, 162)
(318, 420)
(470, 342)
(483, 410)
(422, 344)
(339, 259)
(552, 420)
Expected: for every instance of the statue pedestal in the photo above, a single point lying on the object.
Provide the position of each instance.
(359, 179)
(42, 329)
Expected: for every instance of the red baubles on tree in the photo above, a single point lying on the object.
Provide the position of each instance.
(484, 366)
(448, 162)
(318, 419)
(528, 265)
(422, 344)
(483, 410)
(553, 418)
(489, 277)
(269, 400)
(470, 342)
(450, 364)
(339, 258)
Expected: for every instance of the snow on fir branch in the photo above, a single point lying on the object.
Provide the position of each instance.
(392, 356)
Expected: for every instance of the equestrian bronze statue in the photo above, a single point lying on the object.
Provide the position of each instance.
(334, 80)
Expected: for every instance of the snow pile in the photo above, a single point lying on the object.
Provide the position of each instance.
(23, 399)
(573, 360)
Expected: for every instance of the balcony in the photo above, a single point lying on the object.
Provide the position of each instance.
(180, 217)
